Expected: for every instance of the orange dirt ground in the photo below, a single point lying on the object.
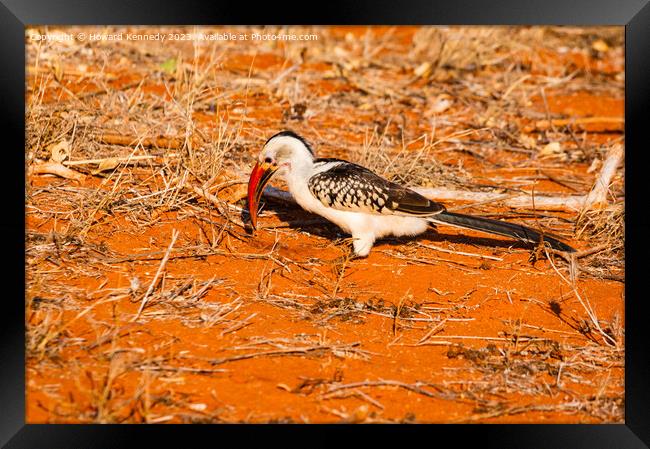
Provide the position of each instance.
(276, 326)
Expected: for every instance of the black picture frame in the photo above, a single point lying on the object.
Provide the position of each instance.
(633, 14)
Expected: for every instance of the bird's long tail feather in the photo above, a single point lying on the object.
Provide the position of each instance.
(500, 228)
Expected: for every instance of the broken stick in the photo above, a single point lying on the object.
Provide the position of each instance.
(54, 168)
(175, 143)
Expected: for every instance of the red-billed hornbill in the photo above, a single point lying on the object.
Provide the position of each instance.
(361, 202)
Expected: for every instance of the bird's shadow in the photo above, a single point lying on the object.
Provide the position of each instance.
(301, 220)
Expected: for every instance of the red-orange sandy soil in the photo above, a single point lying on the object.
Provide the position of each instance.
(124, 324)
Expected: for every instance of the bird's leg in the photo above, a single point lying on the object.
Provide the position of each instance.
(362, 244)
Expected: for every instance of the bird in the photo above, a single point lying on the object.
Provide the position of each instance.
(361, 202)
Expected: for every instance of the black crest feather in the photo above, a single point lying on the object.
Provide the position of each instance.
(290, 133)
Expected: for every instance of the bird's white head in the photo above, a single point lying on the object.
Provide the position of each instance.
(285, 153)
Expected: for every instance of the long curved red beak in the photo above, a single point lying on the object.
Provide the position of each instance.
(260, 176)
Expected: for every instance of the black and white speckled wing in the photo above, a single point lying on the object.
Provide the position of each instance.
(343, 185)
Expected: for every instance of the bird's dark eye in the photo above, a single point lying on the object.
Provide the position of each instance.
(268, 160)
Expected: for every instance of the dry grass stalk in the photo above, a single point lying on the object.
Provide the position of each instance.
(154, 282)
